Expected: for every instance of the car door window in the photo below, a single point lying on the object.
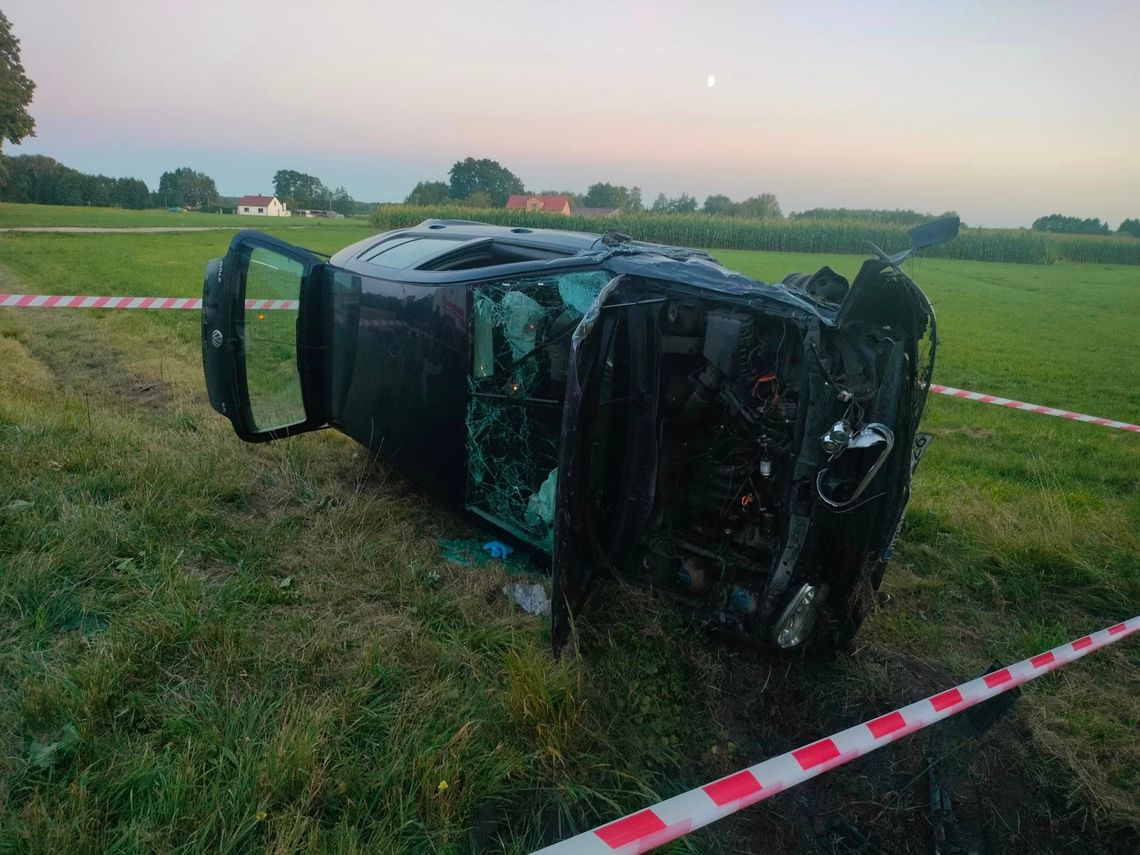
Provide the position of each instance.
(273, 293)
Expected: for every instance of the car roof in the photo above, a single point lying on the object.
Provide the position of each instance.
(618, 252)
(564, 242)
(572, 242)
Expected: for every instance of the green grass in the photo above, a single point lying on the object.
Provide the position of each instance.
(213, 646)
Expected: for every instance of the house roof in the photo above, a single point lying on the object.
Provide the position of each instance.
(259, 201)
(549, 203)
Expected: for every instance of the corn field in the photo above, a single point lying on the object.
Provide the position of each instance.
(798, 235)
(1108, 249)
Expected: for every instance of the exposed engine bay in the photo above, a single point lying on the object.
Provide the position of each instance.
(747, 460)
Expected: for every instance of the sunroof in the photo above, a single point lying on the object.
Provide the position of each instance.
(401, 253)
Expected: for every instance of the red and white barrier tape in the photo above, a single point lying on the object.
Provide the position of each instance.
(52, 301)
(1031, 408)
(49, 301)
(649, 828)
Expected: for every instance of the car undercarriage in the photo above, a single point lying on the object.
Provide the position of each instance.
(717, 437)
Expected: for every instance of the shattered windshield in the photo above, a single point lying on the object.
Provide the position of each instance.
(521, 333)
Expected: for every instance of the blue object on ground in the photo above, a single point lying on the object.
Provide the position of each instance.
(497, 550)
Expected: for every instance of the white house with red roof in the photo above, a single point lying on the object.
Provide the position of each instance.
(548, 204)
(261, 206)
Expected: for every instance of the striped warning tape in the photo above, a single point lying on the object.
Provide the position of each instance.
(53, 301)
(50, 301)
(649, 828)
(1031, 408)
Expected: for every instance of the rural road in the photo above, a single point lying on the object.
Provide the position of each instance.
(131, 230)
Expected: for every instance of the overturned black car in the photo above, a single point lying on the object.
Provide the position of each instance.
(624, 407)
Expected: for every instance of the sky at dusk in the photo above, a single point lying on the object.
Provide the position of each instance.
(1002, 111)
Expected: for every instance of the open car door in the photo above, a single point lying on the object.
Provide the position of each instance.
(261, 337)
(576, 546)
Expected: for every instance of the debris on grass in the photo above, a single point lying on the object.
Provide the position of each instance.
(496, 549)
(531, 598)
(470, 552)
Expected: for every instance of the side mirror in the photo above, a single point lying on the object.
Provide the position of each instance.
(928, 234)
(934, 232)
(261, 349)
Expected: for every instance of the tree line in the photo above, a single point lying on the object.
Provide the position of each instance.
(485, 183)
(37, 179)
(42, 180)
(1060, 224)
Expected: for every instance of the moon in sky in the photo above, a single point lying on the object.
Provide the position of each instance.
(711, 81)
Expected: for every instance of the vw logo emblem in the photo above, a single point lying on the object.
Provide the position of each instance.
(216, 338)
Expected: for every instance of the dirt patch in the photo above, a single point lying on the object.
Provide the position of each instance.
(882, 802)
(83, 364)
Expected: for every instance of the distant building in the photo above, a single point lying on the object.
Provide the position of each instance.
(596, 212)
(317, 212)
(261, 206)
(547, 204)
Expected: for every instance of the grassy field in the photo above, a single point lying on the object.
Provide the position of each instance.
(25, 216)
(210, 646)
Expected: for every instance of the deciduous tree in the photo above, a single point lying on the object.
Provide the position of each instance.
(301, 190)
(762, 207)
(342, 201)
(683, 204)
(1129, 227)
(471, 176)
(635, 203)
(186, 187)
(429, 193)
(15, 89)
(602, 195)
(478, 199)
(719, 205)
